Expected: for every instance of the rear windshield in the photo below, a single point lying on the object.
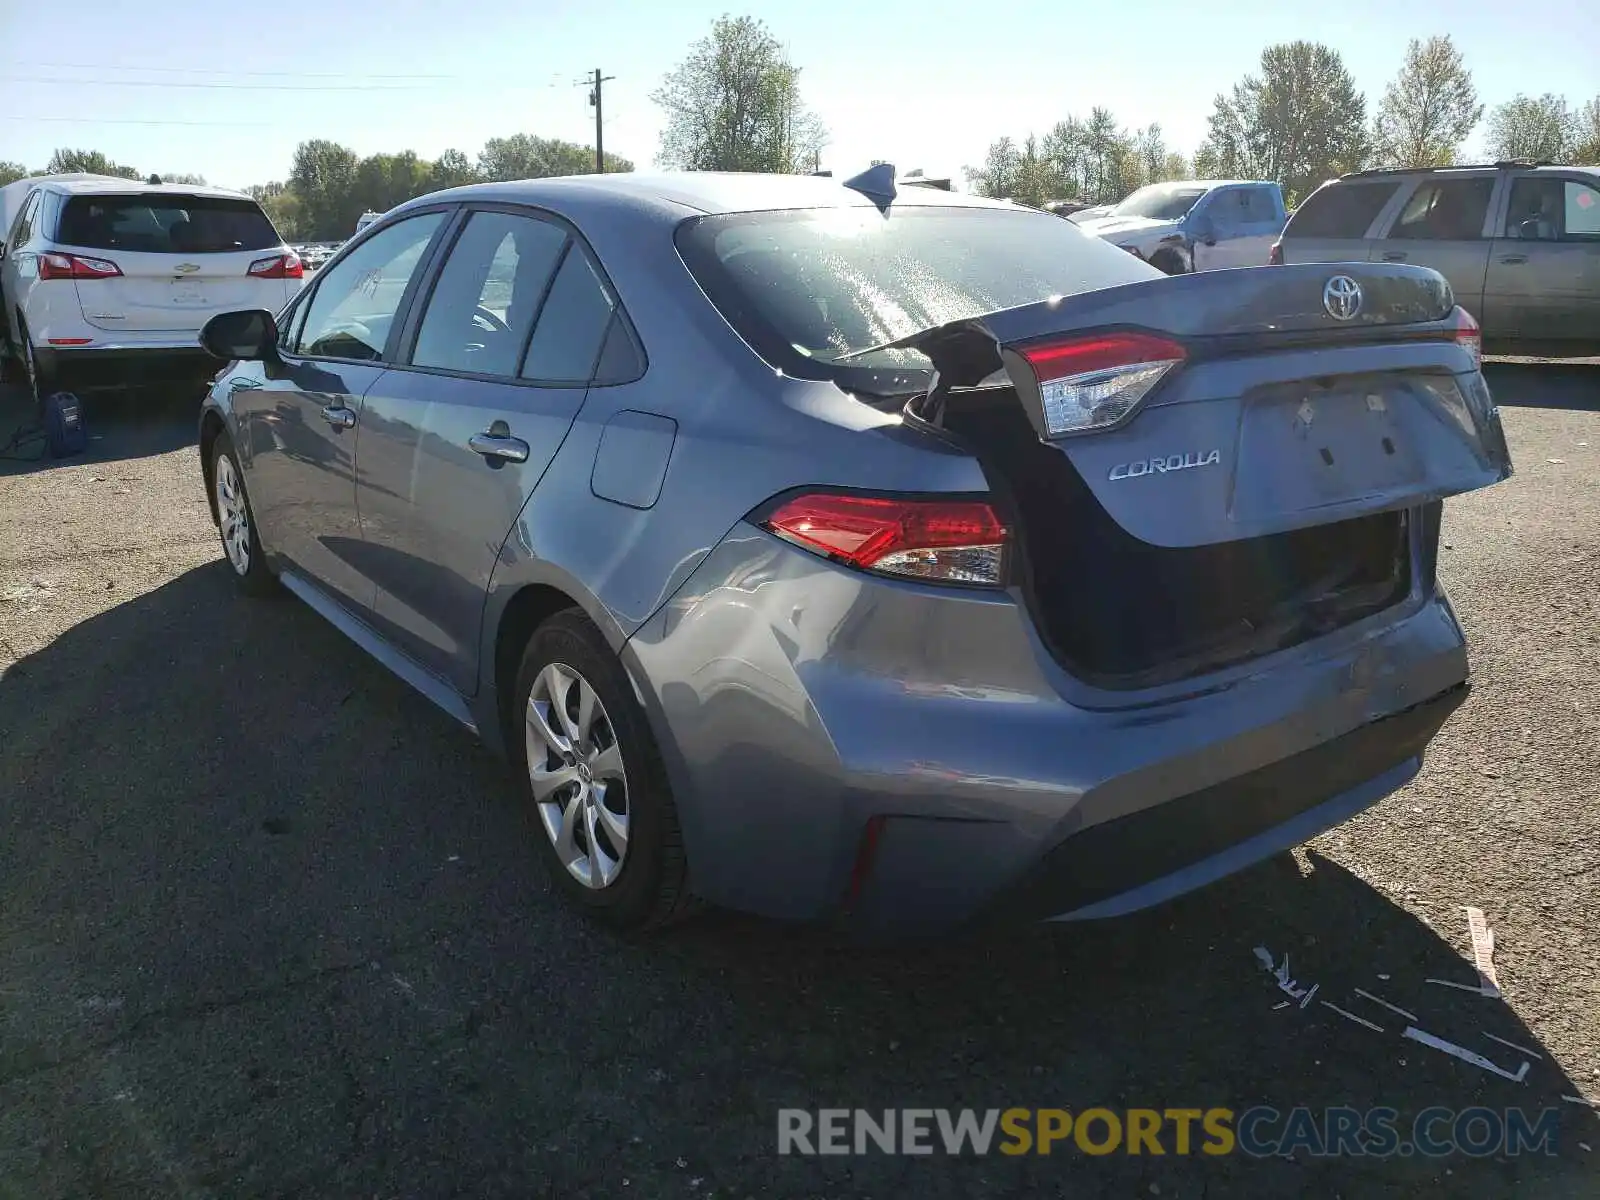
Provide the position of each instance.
(1341, 210)
(166, 224)
(1159, 202)
(806, 287)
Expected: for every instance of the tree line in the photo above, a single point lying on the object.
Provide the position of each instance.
(734, 103)
(1298, 120)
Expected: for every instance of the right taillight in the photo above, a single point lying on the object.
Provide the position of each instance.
(54, 265)
(1468, 335)
(1275, 255)
(1093, 382)
(279, 266)
(938, 540)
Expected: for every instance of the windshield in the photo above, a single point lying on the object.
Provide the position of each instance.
(166, 224)
(807, 287)
(1159, 202)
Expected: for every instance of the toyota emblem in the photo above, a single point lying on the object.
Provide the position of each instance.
(1341, 296)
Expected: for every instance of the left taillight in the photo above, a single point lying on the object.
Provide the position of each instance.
(76, 266)
(1468, 335)
(939, 540)
(279, 266)
(1093, 382)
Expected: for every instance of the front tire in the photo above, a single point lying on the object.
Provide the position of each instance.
(1168, 262)
(236, 523)
(602, 811)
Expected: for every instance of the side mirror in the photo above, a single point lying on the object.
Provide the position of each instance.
(1204, 229)
(251, 335)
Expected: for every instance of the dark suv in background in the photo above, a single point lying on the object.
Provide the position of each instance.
(1519, 243)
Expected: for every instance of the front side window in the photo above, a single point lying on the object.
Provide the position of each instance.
(1445, 210)
(488, 294)
(356, 300)
(166, 224)
(1547, 209)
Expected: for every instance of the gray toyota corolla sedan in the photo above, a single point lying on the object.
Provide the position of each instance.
(900, 559)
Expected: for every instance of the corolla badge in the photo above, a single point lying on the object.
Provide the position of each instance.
(1341, 296)
(1172, 462)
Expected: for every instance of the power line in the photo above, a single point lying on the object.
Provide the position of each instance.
(130, 121)
(309, 89)
(244, 87)
(209, 71)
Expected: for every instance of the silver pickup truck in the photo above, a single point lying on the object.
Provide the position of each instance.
(1195, 224)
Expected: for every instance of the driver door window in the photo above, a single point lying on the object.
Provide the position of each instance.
(482, 309)
(353, 309)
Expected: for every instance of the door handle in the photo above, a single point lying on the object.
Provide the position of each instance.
(498, 448)
(1394, 256)
(1513, 259)
(338, 416)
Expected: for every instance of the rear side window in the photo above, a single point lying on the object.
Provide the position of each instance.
(488, 293)
(152, 224)
(809, 287)
(1445, 210)
(25, 221)
(1342, 210)
(572, 324)
(1259, 206)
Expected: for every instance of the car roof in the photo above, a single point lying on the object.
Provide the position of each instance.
(111, 185)
(682, 193)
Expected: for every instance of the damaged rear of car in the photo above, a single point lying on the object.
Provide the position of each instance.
(1192, 620)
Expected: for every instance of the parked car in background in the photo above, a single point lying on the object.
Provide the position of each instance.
(889, 555)
(1078, 216)
(1196, 224)
(108, 281)
(367, 218)
(1519, 243)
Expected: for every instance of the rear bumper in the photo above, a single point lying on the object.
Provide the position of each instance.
(1157, 853)
(118, 365)
(799, 704)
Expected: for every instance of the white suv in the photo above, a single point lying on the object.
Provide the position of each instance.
(107, 282)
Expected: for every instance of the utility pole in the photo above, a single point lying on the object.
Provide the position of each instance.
(595, 84)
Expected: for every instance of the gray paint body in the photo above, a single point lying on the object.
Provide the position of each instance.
(793, 698)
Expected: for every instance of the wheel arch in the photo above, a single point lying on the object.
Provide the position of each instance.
(212, 427)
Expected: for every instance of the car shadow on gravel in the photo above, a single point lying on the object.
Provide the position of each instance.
(135, 423)
(1561, 385)
(269, 924)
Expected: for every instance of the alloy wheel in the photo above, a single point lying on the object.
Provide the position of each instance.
(576, 770)
(232, 515)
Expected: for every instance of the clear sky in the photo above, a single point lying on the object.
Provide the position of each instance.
(919, 83)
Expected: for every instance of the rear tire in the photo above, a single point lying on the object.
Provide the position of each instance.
(236, 522)
(40, 380)
(601, 809)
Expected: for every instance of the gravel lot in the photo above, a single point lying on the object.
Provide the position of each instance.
(271, 926)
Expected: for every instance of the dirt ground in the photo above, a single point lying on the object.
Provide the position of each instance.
(270, 925)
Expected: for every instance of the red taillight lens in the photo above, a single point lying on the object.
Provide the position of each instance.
(1093, 382)
(279, 266)
(948, 541)
(76, 266)
(1468, 335)
(1275, 255)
